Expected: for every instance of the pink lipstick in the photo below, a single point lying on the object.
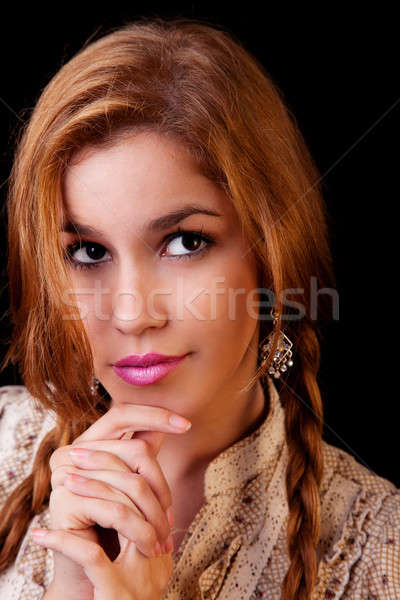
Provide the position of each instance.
(144, 369)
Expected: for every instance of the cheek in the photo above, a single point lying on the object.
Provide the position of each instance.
(95, 309)
(227, 302)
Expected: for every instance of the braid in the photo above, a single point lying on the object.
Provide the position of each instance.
(303, 426)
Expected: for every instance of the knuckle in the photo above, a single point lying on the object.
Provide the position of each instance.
(120, 511)
(165, 496)
(150, 536)
(61, 534)
(166, 499)
(55, 480)
(55, 456)
(58, 493)
(141, 447)
(137, 483)
(165, 528)
(58, 475)
(56, 498)
(95, 554)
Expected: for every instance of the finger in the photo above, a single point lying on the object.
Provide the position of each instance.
(97, 460)
(95, 488)
(119, 514)
(59, 475)
(66, 511)
(122, 455)
(88, 554)
(122, 418)
(130, 488)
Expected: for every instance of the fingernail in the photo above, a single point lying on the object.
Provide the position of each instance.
(80, 453)
(169, 544)
(71, 477)
(157, 549)
(180, 422)
(38, 532)
(170, 516)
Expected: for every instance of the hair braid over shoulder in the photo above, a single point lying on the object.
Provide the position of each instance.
(303, 424)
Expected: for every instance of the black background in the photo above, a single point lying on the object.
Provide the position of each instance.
(339, 73)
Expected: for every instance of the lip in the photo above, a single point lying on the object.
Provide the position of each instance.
(146, 360)
(154, 367)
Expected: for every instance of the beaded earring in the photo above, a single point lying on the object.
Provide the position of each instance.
(94, 386)
(283, 355)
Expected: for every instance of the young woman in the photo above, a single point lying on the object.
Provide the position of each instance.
(163, 201)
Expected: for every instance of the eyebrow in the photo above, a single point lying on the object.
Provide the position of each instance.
(155, 225)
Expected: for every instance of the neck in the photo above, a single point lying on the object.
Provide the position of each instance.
(185, 458)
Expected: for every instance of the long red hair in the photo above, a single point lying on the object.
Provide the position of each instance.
(196, 83)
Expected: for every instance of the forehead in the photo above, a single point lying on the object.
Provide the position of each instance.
(131, 142)
(142, 172)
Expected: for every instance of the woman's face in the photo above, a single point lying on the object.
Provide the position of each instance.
(154, 289)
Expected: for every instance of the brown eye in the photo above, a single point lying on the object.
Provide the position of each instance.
(190, 241)
(76, 254)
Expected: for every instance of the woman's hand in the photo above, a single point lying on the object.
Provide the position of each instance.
(126, 491)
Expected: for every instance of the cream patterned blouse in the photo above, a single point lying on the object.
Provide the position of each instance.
(235, 547)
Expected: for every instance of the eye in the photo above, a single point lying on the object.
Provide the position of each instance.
(176, 240)
(183, 237)
(92, 249)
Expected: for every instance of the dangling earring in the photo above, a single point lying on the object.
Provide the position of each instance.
(283, 355)
(94, 386)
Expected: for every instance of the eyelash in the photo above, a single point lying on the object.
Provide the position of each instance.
(177, 233)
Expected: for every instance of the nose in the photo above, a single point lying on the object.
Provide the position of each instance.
(138, 305)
